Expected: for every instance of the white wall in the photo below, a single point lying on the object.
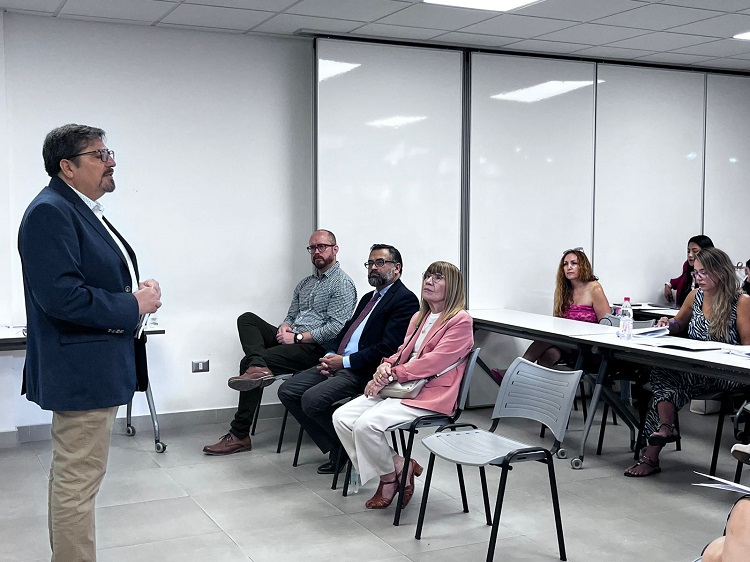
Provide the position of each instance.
(727, 197)
(213, 140)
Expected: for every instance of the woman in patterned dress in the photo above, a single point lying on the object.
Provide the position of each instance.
(715, 311)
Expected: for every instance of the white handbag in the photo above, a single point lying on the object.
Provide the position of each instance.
(411, 389)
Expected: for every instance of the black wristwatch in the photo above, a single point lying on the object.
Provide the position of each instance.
(298, 338)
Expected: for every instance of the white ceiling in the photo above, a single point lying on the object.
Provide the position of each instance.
(694, 33)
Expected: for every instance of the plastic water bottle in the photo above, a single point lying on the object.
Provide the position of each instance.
(353, 482)
(626, 320)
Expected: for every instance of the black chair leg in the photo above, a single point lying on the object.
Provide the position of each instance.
(283, 429)
(425, 492)
(485, 495)
(393, 440)
(257, 412)
(335, 482)
(678, 443)
(299, 446)
(542, 431)
(462, 487)
(347, 478)
(717, 439)
(404, 475)
(498, 510)
(738, 472)
(556, 505)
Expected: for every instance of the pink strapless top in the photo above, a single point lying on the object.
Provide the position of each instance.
(581, 312)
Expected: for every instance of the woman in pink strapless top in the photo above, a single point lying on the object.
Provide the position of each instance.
(578, 296)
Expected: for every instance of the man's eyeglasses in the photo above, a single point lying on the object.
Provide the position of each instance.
(435, 276)
(379, 262)
(103, 153)
(320, 248)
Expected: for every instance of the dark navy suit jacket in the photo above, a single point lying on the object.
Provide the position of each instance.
(80, 311)
(384, 330)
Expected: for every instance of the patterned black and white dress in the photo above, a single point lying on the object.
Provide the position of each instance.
(679, 387)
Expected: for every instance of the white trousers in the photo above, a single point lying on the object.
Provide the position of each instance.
(361, 424)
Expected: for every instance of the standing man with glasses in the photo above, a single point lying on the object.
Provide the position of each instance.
(375, 331)
(321, 304)
(84, 305)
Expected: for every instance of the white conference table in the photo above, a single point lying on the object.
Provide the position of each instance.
(699, 357)
(13, 338)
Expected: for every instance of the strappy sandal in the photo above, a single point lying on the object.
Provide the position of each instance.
(660, 440)
(380, 500)
(648, 462)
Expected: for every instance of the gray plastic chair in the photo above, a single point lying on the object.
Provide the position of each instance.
(527, 391)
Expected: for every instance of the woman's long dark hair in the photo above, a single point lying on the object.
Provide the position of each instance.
(703, 242)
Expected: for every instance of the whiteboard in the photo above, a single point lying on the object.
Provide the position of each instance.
(532, 159)
(727, 198)
(389, 153)
(649, 160)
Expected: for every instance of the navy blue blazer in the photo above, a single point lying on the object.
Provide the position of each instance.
(80, 310)
(384, 330)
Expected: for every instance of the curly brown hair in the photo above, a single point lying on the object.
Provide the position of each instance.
(564, 288)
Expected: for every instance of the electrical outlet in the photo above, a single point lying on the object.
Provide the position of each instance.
(200, 366)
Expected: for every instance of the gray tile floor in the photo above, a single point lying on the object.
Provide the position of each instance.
(182, 505)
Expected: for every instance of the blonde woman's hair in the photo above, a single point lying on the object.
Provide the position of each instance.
(718, 265)
(563, 287)
(455, 295)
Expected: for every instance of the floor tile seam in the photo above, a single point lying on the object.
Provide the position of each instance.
(164, 541)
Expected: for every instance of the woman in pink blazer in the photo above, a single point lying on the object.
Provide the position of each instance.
(439, 337)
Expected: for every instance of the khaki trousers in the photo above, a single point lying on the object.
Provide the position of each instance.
(80, 448)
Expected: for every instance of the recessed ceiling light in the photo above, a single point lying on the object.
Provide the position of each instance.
(330, 68)
(745, 36)
(396, 121)
(544, 90)
(493, 5)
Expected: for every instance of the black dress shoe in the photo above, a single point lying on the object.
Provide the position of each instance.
(328, 467)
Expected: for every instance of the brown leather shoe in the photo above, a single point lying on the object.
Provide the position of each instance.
(229, 444)
(254, 377)
(383, 495)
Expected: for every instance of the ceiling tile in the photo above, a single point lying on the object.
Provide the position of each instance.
(50, 6)
(355, 10)
(537, 46)
(524, 27)
(607, 52)
(592, 34)
(729, 64)
(437, 17)
(134, 10)
(722, 26)
(211, 16)
(720, 5)
(674, 58)
(263, 5)
(661, 41)
(723, 48)
(397, 31)
(475, 39)
(658, 17)
(289, 23)
(578, 10)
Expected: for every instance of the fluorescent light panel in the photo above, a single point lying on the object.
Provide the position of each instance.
(492, 5)
(544, 90)
(744, 36)
(395, 122)
(330, 68)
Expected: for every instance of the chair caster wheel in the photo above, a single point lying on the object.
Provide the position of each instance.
(130, 431)
(562, 454)
(576, 463)
(160, 447)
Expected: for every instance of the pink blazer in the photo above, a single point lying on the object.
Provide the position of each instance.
(444, 345)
